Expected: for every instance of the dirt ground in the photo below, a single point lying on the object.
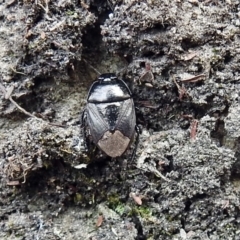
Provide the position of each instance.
(180, 59)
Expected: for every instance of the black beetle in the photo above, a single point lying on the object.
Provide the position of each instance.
(110, 116)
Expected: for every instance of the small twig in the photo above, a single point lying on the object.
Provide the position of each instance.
(147, 104)
(181, 90)
(57, 124)
(25, 172)
(7, 95)
(194, 79)
(111, 5)
(22, 109)
(57, 25)
(46, 9)
(145, 154)
(178, 86)
(17, 71)
(187, 116)
(13, 183)
(193, 127)
(157, 173)
(91, 66)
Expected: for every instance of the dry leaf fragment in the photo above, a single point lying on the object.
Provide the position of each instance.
(9, 91)
(43, 35)
(190, 56)
(148, 85)
(193, 131)
(187, 116)
(28, 34)
(84, 5)
(80, 166)
(193, 1)
(182, 91)
(147, 77)
(225, 204)
(99, 221)
(148, 66)
(136, 198)
(13, 183)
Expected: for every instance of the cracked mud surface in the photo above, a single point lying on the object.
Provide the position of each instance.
(181, 60)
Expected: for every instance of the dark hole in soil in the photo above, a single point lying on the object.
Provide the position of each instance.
(235, 171)
(170, 166)
(139, 228)
(227, 58)
(93, 38)
(142, 64)
(188, 43)
(219, 131)
(148, 54)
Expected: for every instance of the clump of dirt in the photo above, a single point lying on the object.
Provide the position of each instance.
(181, 61)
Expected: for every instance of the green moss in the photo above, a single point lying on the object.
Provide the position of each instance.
(113, 201)
(120, 209)
(78, 198)
(115, 204)
(215, 51)
(47, 164)
(143, 211)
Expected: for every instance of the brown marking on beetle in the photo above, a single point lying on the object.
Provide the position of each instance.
(114, 144)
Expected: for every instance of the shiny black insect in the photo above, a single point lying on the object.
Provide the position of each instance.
(110, 116)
